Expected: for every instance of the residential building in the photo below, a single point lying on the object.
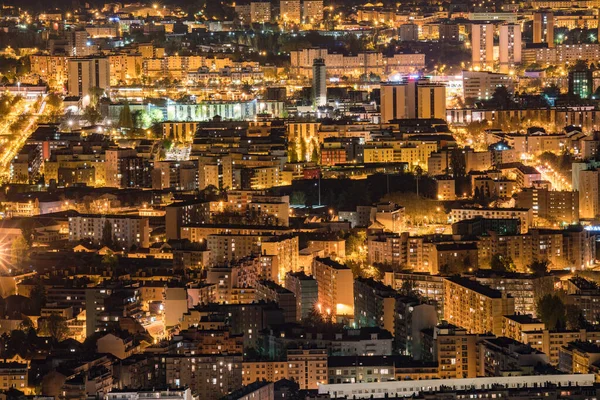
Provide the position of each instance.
(412, 99)
(125, 230)
(510, 47)
(543, 27)
(482, 46)
(305, 288)
(476, 307)
(335, 287)
(88, 74)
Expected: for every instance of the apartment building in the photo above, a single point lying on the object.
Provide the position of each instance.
(550, 342)
(85, 74)
(482, 45)
(515, 325)
(127, 231)
(306, 367)
(523, 215)
(476, 307)
(335, 287)
(305, 288)
(354, 66)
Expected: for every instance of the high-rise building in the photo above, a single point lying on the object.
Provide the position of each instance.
(413, 99)
(409, 32)
(336, 287)
(319, 85)
(482, 46)
(510, 47)
(589, 183)
(581, 83)
(290, 11)
(88, 73)
(449, 32)
(78, 43)
(114, 165)
(554, 205)
(312, 11)
(460, 297)
(305, 289)
(260, 11)
(543, 28)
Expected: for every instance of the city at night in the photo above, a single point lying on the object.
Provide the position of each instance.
(299, 200)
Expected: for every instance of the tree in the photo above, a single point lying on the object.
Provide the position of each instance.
(501, 98)
(552, 91)
(551, 310)
(501, 263)
(19, 249)
(92, 115)
(37, 295)
(54, 326)
(314, 157)
(110, 261)
(96, 94)
(28, 234)
(575, 319)
(125, 118)
(107, 234)
(408, 289)
(539, 268)
(142, 119)
(355, 242)
(458, 162)
(303, 150)
(156, 116)
(292, 151)
(298, 198)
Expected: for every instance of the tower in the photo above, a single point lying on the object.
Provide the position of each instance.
(510, 46)
(319, 84)
(482, 46)
(543, 28)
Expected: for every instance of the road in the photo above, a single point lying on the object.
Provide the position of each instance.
(11, 147)
(557, 181)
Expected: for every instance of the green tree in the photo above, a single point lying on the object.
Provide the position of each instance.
(314, 157)
(575, 319)
(92, 115)
(501, 263)
(539, 268)
(156, 116)
(408, 289)
(298, 198)
(551, 310)
(501, 98)
(355, 242)
(37, 295)
(96, 94)
(28, 234)
(292, 151)
(142, 119)
(458, 162)
(125, 118)
(54, 326)
(107, 234)
(19, 249)
(303, 150)
(110, 261)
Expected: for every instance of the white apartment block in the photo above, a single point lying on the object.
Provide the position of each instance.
(126, 230)
(355, 65)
